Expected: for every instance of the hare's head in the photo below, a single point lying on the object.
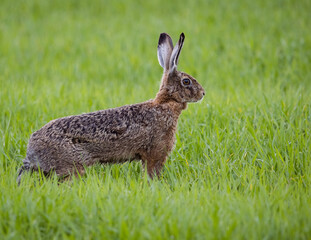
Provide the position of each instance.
(176, 85)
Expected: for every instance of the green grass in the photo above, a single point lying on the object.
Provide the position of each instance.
(241, 168)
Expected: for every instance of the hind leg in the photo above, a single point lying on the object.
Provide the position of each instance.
(60, 157)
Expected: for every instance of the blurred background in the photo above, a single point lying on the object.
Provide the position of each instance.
(88, 50)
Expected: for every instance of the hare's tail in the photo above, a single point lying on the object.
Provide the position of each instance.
(25, 167)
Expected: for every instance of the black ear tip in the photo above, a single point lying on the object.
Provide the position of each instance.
(182, 35)
(162, 38)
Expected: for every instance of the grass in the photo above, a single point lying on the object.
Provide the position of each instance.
(241, 166)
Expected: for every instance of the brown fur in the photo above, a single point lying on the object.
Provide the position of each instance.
(143, 131)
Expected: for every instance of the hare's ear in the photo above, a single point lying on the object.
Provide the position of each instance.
(176, 51)
(165, 48)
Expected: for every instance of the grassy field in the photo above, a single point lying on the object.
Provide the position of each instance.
(241, 168)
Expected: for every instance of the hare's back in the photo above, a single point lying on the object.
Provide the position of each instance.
(108, 125)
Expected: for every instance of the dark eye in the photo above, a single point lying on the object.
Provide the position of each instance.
(186, 81)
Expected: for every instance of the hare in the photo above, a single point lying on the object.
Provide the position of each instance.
(143, 131)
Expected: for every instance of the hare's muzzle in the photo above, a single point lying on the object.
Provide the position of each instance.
(202, 94)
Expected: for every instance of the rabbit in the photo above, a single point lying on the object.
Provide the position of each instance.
(143, 131)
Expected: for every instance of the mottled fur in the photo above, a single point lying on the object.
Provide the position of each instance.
(143, 131)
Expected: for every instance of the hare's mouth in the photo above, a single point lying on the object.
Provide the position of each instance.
(201, 98)
(195, 100)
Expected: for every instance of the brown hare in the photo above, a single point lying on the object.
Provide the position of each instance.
(143, 131)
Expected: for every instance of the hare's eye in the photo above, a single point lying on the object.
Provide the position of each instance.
(186, 81)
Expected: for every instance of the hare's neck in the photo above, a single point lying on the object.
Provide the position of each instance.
(163, 98)
(177, 107)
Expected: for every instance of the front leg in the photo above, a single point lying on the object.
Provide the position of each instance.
(154, 168)
(155, 163)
